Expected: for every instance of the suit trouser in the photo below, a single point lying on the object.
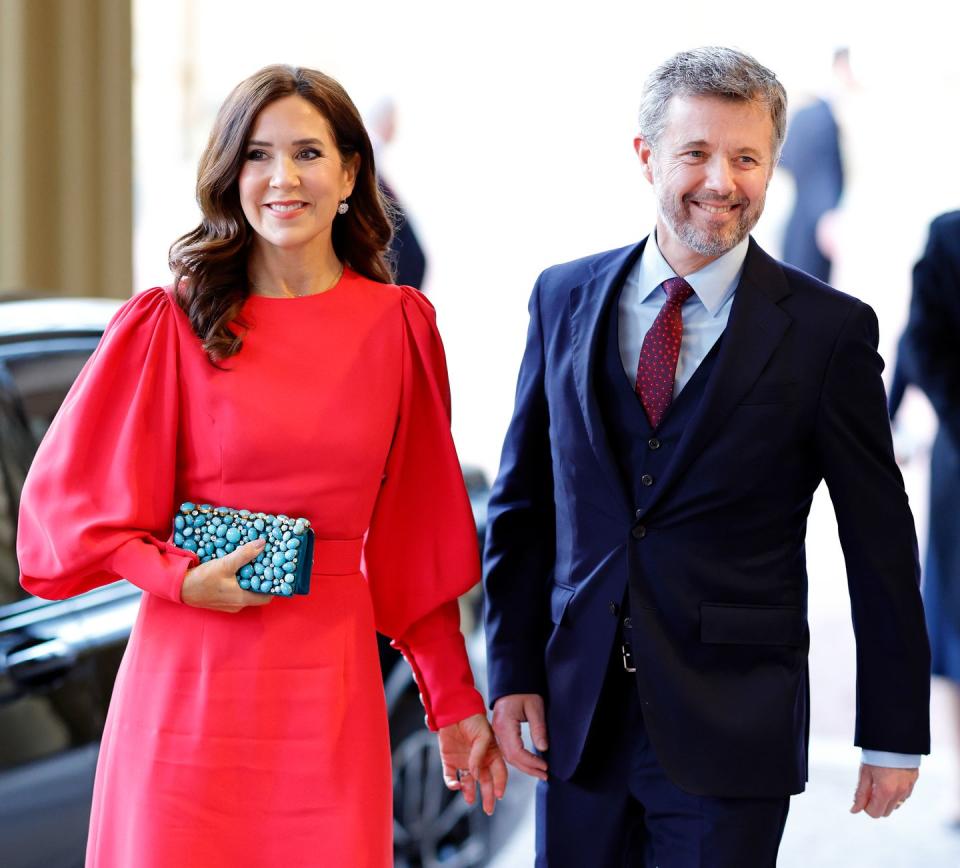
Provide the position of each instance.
(620, 810)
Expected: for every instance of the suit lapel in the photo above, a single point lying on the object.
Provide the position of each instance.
(588, 301)
(754, 331)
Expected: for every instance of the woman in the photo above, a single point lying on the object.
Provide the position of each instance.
(283, 374)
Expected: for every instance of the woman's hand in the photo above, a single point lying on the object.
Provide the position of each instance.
(213, 585)
(469, 746)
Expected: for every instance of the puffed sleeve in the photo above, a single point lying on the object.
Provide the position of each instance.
(99, 497)
(421, 551)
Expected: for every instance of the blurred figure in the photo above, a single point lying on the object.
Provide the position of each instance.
(930, 359)
(811, 154)
(406, 255)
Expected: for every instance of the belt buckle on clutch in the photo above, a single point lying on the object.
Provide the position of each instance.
(627, 658)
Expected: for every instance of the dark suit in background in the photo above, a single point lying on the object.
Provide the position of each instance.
(929, 356)
(811, 154)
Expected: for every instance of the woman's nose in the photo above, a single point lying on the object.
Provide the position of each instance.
(284, 173)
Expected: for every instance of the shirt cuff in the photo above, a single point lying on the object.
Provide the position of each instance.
(888, 760)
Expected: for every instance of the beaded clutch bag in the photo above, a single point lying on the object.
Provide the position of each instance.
(282, 568)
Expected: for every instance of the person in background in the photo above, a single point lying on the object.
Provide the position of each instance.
(406, 255)
(812, 155)
(679, 402)
(282, 372)
(929, 358)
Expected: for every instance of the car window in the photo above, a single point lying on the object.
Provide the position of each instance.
(42, 381)
(32, 387)
(16, 451)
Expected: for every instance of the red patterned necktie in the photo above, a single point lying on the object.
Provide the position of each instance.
(660, 351)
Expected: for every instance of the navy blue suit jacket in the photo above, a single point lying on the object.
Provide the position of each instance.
(717, 575)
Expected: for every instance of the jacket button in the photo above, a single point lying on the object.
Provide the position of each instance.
(639, 532)
(653, 443)
(614, 609)
(646, 479)
(628, 623)
(639, 513)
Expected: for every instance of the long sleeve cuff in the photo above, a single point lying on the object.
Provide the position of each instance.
(437, 654)
(156, 567)
(888, 760)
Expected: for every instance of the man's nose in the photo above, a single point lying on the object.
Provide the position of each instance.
(284, 173)
(720, 176)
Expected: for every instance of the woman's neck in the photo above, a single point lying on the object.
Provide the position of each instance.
(292, 273)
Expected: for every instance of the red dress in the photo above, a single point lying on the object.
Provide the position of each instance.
(260, 738)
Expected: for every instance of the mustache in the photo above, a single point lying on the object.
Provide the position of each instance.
(714, 199)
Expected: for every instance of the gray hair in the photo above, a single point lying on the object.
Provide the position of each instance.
(712, 71)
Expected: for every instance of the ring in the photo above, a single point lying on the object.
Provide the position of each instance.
(462, 773)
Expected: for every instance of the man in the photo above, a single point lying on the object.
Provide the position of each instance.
(679, 402)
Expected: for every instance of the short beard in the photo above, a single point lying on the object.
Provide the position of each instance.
(704, 242)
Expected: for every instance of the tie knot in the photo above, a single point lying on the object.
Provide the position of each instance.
(677, 290)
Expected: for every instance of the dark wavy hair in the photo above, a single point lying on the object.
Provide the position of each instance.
(210, 263)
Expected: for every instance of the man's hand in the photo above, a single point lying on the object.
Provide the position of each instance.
(508, 713)
(470, 756)
(213, 585)
(881, 791)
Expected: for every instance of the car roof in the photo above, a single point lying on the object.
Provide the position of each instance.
(55, 316)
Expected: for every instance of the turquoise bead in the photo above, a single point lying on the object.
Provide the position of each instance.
(288, 567)
(229, 547)
(179, 522)
(299, 527)
(221, 553)
(277, 559)
(245, 584)
(190, 545)
(246, 571)
(290, 554)
(188, 531)
(255, 583)
(258, 568)
(233, 535)
(251, 534)
(221, 530)
(208, 547)
(187, 507)
(293, 544)
(286, 589)
(258, 524)
(178, 539)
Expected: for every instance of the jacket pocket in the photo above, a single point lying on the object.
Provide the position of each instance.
(560, 597)
(730, 624)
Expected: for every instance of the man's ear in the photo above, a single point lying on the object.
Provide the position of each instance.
(645, 153)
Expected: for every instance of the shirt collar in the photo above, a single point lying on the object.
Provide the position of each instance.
(713, 284)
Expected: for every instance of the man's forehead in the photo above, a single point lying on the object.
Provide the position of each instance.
(702, 118)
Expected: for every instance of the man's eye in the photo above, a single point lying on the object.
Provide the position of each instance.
(696, 155)
(748, 160)
(256, 154)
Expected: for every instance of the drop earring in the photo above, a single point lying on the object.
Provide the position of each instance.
(343, 207)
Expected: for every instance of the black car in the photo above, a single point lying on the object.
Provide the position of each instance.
(58, 659)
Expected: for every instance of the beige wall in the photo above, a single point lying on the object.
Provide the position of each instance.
(66, 184)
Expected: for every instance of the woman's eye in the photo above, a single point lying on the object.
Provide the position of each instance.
(256, 154)
(308, 154)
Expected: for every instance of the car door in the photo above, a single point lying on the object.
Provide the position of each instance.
(58, 659)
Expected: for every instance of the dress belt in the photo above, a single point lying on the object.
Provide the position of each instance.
(336, 557)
